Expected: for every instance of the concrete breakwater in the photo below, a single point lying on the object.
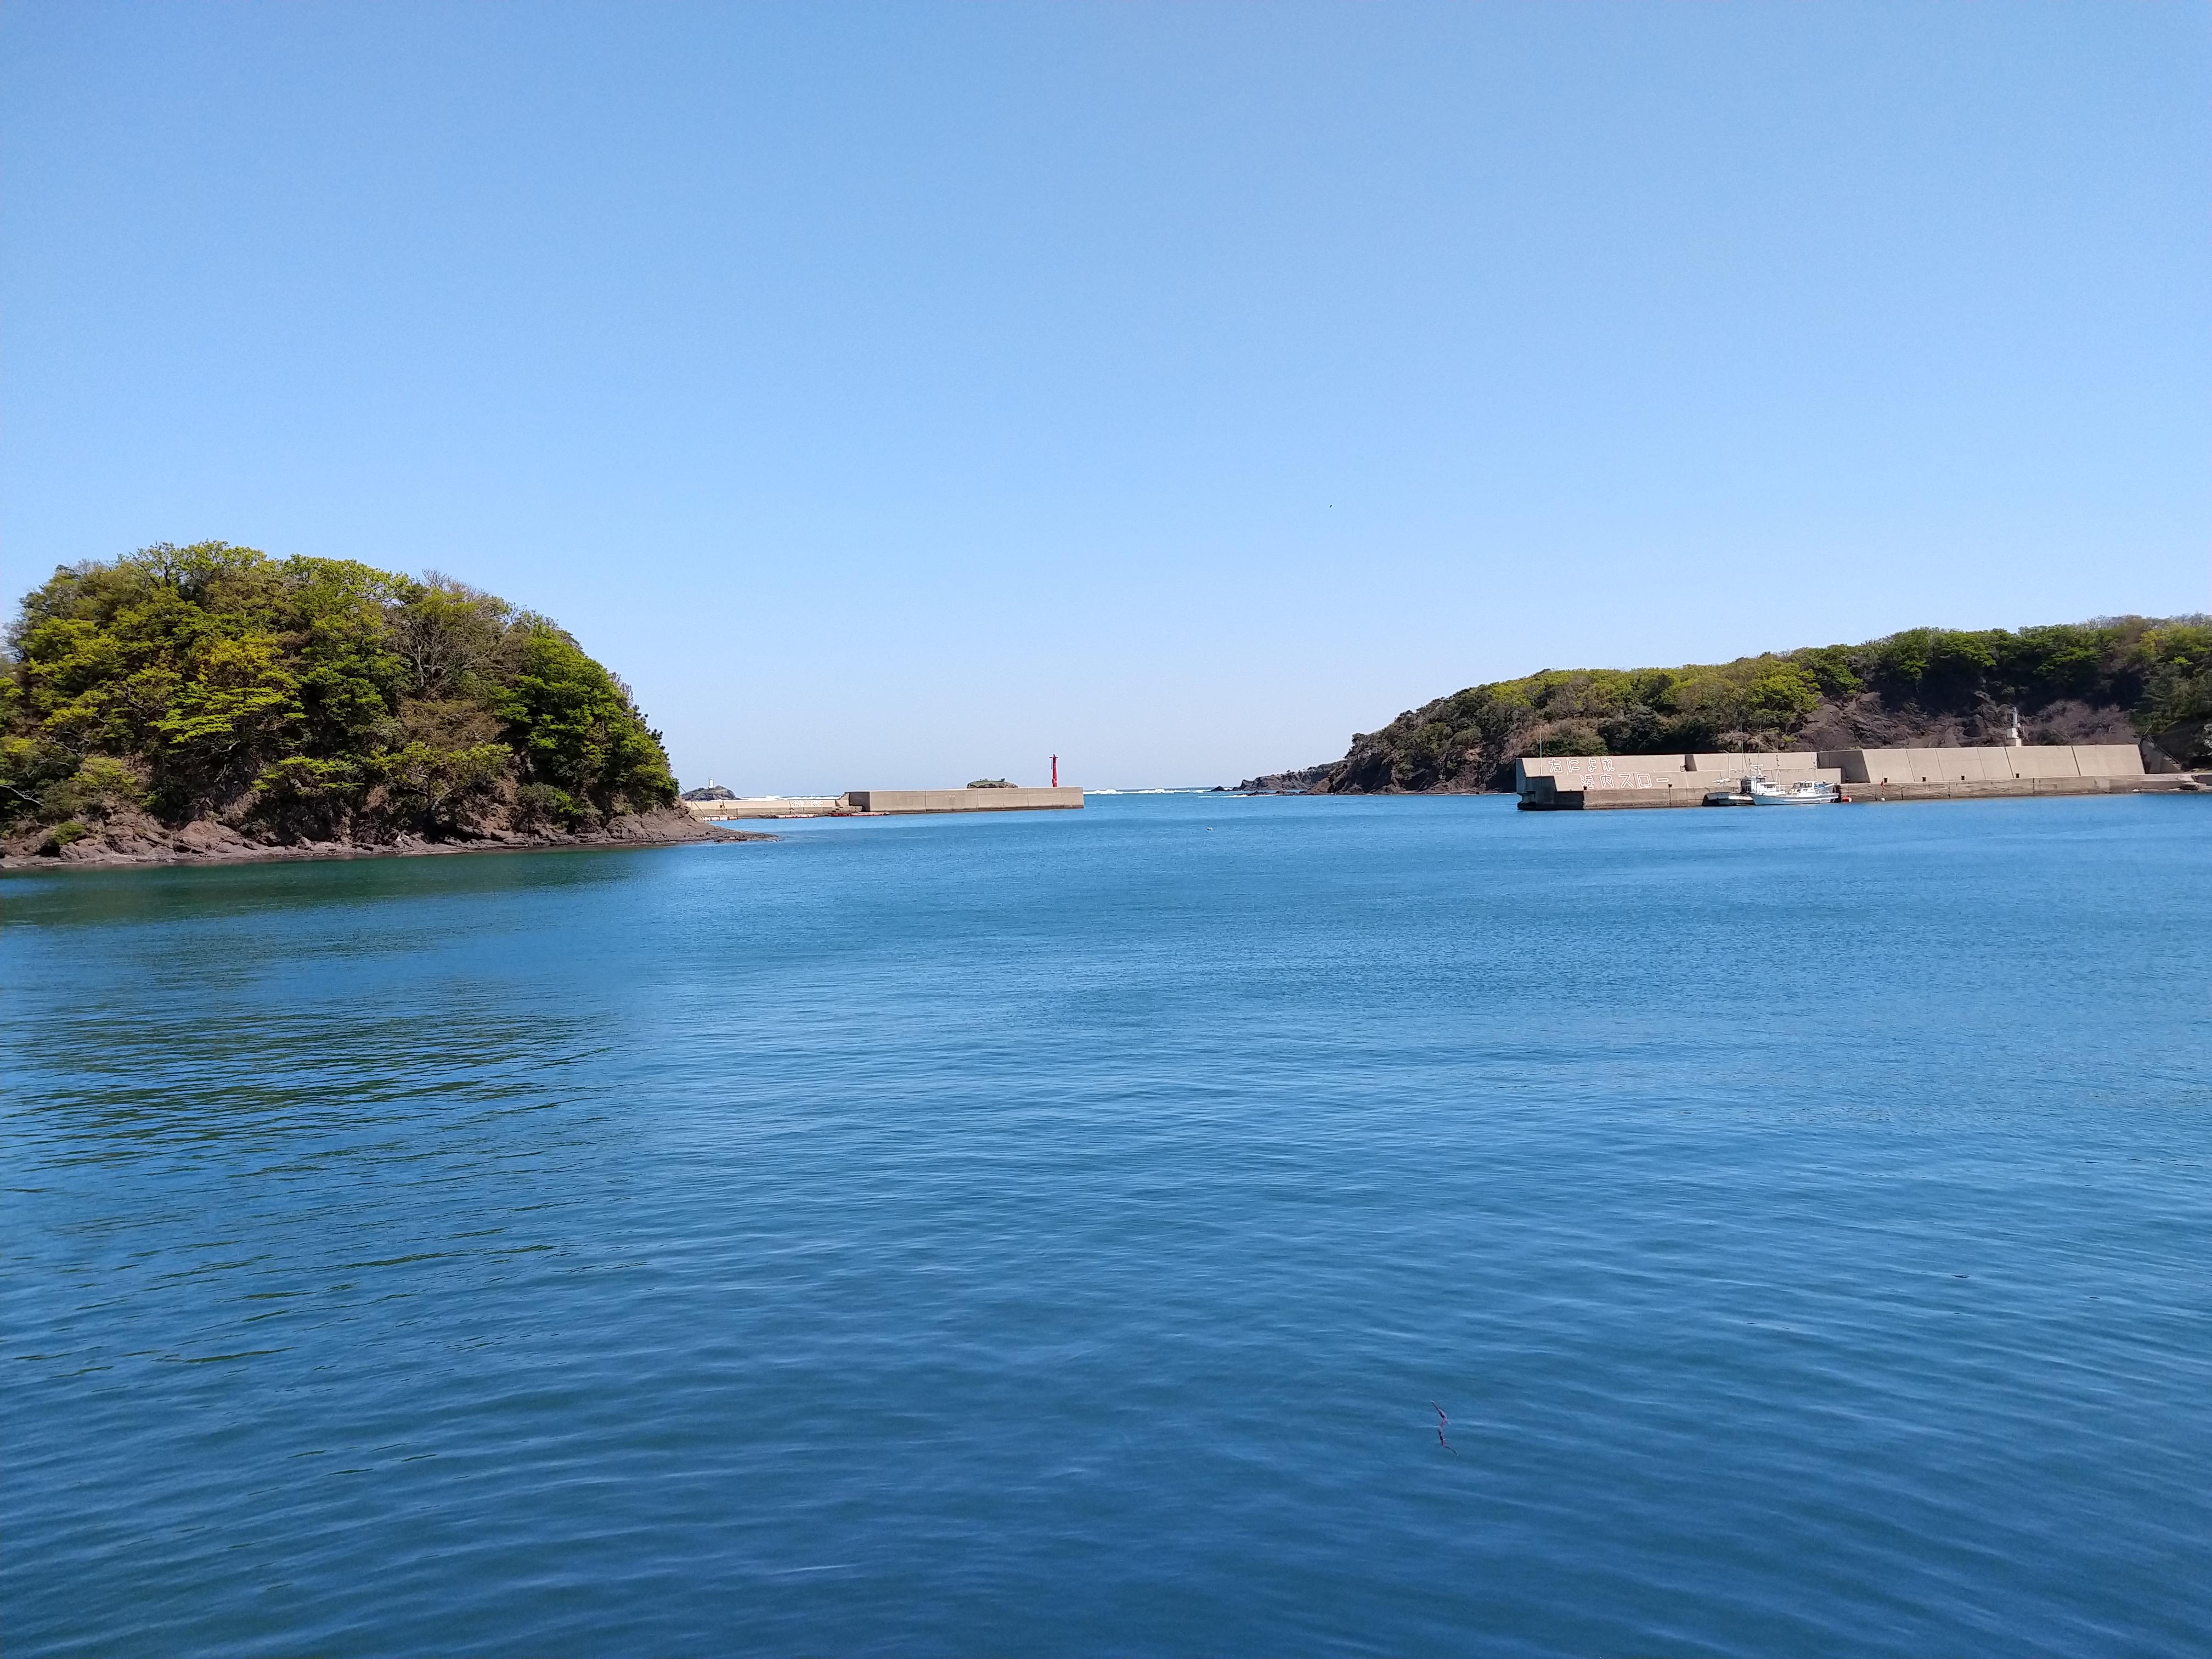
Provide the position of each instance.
(1598, 782)
(856, 803)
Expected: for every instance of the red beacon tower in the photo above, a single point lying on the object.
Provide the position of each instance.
(1055, 771)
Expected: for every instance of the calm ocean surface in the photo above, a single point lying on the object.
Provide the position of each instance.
(1046, 1234)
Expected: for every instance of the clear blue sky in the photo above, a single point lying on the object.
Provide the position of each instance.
(895, 393)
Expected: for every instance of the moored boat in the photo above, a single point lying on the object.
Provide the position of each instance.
(1798, 792)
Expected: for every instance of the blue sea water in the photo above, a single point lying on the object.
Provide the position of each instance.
(1048, 1235)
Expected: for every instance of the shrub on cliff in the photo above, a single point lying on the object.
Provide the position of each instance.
(307, 698)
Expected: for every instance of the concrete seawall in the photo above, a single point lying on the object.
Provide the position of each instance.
(768, 806)
(1598, 800)
(1583, 783)
(877, 802)
(962, 800)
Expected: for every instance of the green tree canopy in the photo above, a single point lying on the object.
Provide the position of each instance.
(307, 696)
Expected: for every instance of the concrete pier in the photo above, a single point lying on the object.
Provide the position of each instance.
(768, 806)
(962, 800)
(1584, 783)
(856, 803)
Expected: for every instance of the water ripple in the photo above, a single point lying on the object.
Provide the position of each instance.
(1048, 1236)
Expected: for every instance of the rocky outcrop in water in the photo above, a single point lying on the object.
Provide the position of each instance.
(212, 702)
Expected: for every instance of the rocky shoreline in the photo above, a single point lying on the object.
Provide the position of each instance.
(133, 838)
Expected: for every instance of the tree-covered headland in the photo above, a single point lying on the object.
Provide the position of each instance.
(2117, 679)
(306, 700)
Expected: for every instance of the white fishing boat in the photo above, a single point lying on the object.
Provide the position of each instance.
(1798, 792)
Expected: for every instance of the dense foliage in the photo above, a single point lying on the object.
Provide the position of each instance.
(2086, 682)
(307, 699)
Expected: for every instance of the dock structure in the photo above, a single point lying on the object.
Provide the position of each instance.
(962, 800)
(768, 806)
(1581, 783)
(859, 803)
